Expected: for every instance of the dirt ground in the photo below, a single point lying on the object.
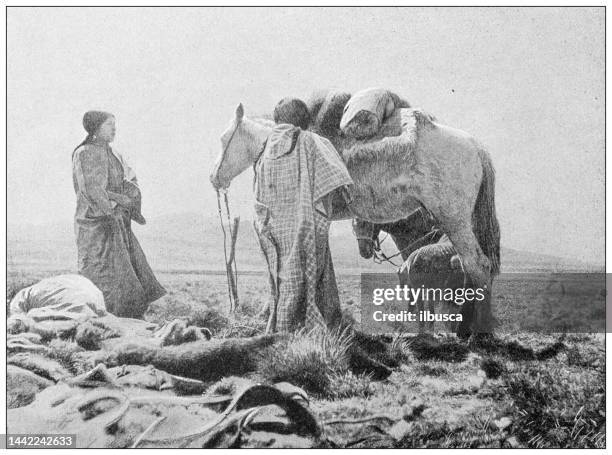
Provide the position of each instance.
(493, 397)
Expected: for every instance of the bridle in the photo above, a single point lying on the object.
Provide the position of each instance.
(229, 141)
(379, 256)
(374, 241)
(369, 236)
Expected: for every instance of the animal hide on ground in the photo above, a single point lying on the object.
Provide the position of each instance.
(205, 360)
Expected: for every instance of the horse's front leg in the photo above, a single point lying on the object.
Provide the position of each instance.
(478, 267)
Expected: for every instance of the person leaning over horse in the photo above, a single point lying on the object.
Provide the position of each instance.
(295, 177)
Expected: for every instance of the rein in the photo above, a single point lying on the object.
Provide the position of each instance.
(229, 267)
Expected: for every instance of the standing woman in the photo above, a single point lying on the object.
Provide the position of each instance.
(108, 198)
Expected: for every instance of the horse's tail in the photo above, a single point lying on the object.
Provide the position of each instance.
(484, 218)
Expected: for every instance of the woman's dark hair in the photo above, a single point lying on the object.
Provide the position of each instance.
(92, 120)
(293, 111)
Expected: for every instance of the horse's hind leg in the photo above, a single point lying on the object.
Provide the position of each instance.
(478, 267)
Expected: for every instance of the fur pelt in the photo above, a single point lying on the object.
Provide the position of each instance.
(211, 360)
(205, 360)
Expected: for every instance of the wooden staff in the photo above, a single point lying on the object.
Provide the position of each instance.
(232, 271)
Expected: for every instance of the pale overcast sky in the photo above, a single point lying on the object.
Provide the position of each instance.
(527, 82)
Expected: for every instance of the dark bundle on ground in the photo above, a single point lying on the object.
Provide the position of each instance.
(513, 350)
(426, 347)
(493, 368)
(382, 349)
(552, 411)
(550, 351)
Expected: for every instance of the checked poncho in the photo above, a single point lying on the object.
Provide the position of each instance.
(296, 173)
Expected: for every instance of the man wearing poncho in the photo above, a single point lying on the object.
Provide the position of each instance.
(295, 178)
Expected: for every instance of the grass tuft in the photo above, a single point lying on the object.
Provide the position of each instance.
(309, 359)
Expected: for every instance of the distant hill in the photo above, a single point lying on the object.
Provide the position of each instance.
(190, 242)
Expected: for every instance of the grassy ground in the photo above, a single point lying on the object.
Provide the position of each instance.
(485, 397)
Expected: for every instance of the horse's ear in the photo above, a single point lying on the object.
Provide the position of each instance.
(239, 112)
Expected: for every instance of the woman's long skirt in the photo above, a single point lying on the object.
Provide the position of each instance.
(111, 257)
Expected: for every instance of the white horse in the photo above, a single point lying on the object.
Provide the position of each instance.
(414, 162)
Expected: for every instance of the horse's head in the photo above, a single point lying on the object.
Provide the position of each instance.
(367, 237)
(237, 151)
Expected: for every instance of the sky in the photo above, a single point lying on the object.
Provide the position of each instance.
(527, 82)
